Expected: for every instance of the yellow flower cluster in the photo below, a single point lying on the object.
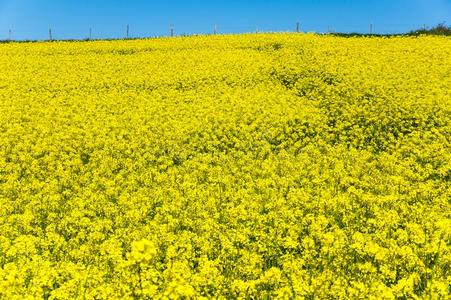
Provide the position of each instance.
(228, 166)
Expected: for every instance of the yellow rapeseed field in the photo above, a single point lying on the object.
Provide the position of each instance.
(250, 166)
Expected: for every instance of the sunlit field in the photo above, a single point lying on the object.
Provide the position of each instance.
(226, 166)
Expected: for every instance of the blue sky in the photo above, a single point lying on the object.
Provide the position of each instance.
(31, 19)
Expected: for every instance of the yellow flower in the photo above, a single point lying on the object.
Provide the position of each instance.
(230, 166)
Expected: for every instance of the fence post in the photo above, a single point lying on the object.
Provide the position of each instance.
(50, 34)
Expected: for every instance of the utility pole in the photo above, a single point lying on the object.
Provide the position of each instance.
(126, 32)
(50, 34)
(298, 27)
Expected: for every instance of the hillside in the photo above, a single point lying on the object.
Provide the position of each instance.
(227, 166)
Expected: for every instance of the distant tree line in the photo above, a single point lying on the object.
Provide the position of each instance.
(440, 29)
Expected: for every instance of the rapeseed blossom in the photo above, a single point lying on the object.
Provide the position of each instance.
(228, 166)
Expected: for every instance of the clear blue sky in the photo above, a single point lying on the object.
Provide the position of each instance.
(30, 19)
